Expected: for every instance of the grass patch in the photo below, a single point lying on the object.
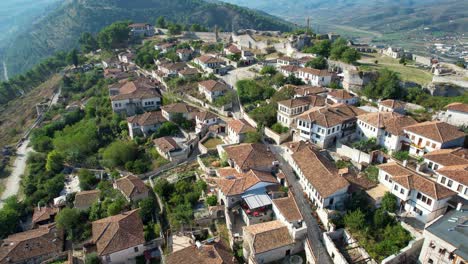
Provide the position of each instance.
(212, 142)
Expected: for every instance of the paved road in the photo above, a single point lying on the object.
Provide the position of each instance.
(314, 232)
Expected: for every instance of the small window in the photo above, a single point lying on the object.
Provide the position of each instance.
(433, 145)
(395, 187)
(443, 180)
(135, 249)
(450, 183)
(459, 188)
(418, 196)
(430, 164)
(436, 166)
(402, 191)
(429, 201)
(430, 261)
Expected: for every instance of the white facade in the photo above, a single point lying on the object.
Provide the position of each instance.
(285, 115)
(420, 205)
(313, 79)
(391, 142)
(453, 185)
(209, 95)
(350, 101)
(132, 105)
(322, 136)
(455, 118)
(124, 256)
(135, 129)
(421, 145)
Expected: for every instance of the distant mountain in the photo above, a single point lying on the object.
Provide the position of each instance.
(60, 29)
(392, 17)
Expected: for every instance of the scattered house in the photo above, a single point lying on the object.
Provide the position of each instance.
(126, 57)
(289, 69)
(237, 130)
(247, 156)
(171, 69)
(44, 215)
(325, 125)
(209, 63)
(184, 54)
(116, 74)
(232, 49)
(132, 187)
(268, 242)
(189, 73)
(172, 110)
(206, 253)
(164, 47)
(110, 63)
(456, 114)
(304, 60)
(442, 158)
(286, 60)
(134, 96)
(84, 199)
(212, 89)
(445, 239)
(205, 119)
(145, 124)
(289, 109)
(119, 238)
(287, 211)
(417, 195)
(305, 90)
(429, 136)
(387, 128)
(391, 105)
(141, 30)
(32, 246)
(393, 52)
(170, 149)
(342, 97)
(315, 77)
(247, 57)
(455, 178)
(319, 177)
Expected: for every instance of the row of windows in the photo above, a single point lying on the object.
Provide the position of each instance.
(424, 198)
(449, 183)
(419, 141)
(371, 128)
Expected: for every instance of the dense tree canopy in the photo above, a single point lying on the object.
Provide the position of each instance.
(114, 36)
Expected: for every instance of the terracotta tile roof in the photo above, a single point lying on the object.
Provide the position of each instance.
(176, 66)
(209, 59)
(251, 156)
(448, 157)
(457, 173)
(118, 232)
(166, 144)
(240, 126)
(294, 102)
(216, 253)
(316, 72)
(392, 122)
(44, 213)
(184, 51)
(460, 107)
(268, 236)
(304, 90)
(287, 58)
(288, 208)
(138, 89)
(411, 180)
(341, 94)
(205, 115)
(131, 185)
(319, 171)
(212, 85)
(188, 71)
(290, 68)
(86, 198)
(436, 130)
(393, 104)
(21, 247)
(234, 49)
(235, 183)
(147, 119)
(137, 25)
(179, 108)
(330, 116)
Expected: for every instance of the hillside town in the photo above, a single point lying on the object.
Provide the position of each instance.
(249, 146)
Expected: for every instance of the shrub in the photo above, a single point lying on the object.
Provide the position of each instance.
(389, 202)
(211, 200)
(278, 128)
(401, 155)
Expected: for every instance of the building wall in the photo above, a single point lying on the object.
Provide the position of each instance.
(427, 145)
(455, 118)
(123, 256)
(428, 253)
(453, 185)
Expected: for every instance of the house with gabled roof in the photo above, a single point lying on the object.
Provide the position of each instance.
(44, 215)
(144, 124)
(84, 199)
(237, 130)
(141, 30)
(315, 77)
(247, 156)
(289, 69)
(387, 128)
(433, 135)
(216, 252)
(441, 158)
(391, 105)
(286, 60)
(133, 96)
(455, 178)
(170, 149)
(212, 89)
(341, 96)
(455, 114)
(119, 238)
(184, 54)
(132, 188)
(305, 90)
(290, 108)
(287, 211)
(32, 246)
(325, 125)
(320, 179)
(417, 195)
(172, 110)
(205, 119)
(209, 63)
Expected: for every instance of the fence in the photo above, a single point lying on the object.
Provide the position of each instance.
(348, 243)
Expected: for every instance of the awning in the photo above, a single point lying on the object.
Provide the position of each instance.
(256, 200)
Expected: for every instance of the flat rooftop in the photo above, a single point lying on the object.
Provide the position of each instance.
(453, 229)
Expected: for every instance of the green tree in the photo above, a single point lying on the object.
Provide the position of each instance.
(114, 36)
(389, 202)
(268, 69)
(460, 63)
(381, 218)
(88, 42)
(147, 209)
(118, 153)
(355, 220)
(166, 129)
(72, 58)
(350, 55)
(116, 207)
(163, 188)
(68, 219)
(92, 258)
(321, 48)
(318, 63)
(387, 86)
(10, 216)
(212, 200)
(87, 179)
(253, 137)
(54, 161)
(278, 128)
(161, 22)
(174, 29)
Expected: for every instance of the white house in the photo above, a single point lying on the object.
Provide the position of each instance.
(391, 105)
(172, 110)
(171, 69)
(170, 149)
(144, 124)
(286, 60)
(133, 96)
(287, 211)
(441, 158)
(209, 63)
(132, 188)
(429, 136)
(386, 128)
(205, 119)
(184, 54)
(126, 57)
(324, 126)
(455, 178)
(212, 89)
(315, 77)
(395, 53)
(417, 195)
(342, 97)
(289, 109)
(456, 114)
(319, 177)
(445, 239)
(141, 30)
(289, 69)
(108, 234)
(237, 130)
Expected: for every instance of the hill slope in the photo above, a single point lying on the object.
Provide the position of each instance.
(60, 29)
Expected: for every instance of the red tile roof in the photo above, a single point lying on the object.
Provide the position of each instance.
(240, 126)
(131, 186)
(448, 157)
(216, 253)
(436, 130)
(251, 156)
(460, 107)
(166, 144)
(147, 119)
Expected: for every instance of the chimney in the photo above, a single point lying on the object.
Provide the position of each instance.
(459, 206)
(405, 163)
(198, 244)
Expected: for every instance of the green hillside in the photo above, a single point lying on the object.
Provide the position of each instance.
(60, 29)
